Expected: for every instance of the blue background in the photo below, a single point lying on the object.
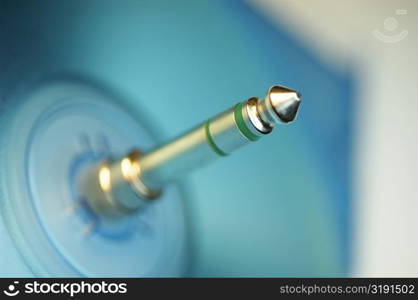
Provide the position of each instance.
(280, 207)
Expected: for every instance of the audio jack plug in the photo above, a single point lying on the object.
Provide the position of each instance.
(121, 186)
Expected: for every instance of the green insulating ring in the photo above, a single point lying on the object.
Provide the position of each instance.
(211, 142)
(242, 125)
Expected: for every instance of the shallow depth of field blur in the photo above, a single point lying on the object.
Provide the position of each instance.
(333, 194)
(377, 42)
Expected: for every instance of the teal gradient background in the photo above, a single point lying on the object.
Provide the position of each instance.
(280, 207)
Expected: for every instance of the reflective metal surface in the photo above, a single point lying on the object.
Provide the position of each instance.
(120, 187)
(281, 104)
(159, 56)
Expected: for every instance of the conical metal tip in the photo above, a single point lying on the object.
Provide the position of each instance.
(284, 102)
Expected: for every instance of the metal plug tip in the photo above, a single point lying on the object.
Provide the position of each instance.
(285, 103)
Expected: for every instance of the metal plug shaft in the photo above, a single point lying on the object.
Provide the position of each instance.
(119, 187)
